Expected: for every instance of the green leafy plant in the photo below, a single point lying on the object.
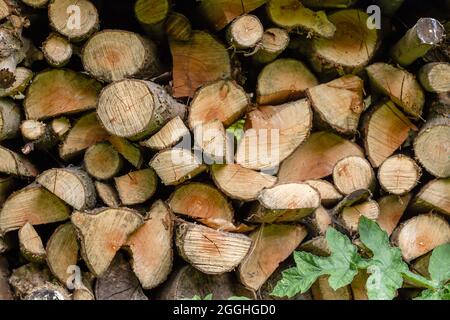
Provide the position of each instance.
(386, 267)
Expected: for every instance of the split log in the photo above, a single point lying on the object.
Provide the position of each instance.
(220, 13)
(103, 233)
(392, 209)
(174, 166)
(23, 78)
(15, 164)
(291, 14)
(187, 282)
(317, 246)
(435, 77)
(119, 282)
(7, 184)
(130, 151)
(135, 108)
(61, 19)
(328, 193)
(198, 61)
(71, 185)
(316, 158)
(321, 290)
(5, 290)
(9, 119)
(113, 55)
(283, 80)
(213, 143)
(272, 244)
(400, 85)
(60, 127)
(222, 100)
(136, 187)
(33, 205)
(399, 174)
(424, 35)
(57, 50)
(339, 103)
(26, 278)
(107, 194)
(431, 145)
(204, 203)
(350, 49)
(420, 235)
(274, 41)
(48, 291)
(178, 27)
(356, 197)
(435, 196)
(320, 220)
(350, 215)
(102, 161)
(151, 247)
(209, 250)
(39, 136)
(385, 129)
(86, 132)
(31, 244)
(353, 173)
(152, 14)
(169, 135)
(240, 183)
(62, 252)
(285, 203)
(60, 91)
(245, 32)
(273, 134)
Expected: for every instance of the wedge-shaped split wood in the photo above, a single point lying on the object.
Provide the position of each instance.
(241, 183)
(108, 194)
(385, 129)
(420, 235)
(329, 195)
(178, 27)
(9, 119)
(135, 108)
(62, 252)
(119, 282)
(174, 166)
(199, 60)
(350, 215)
(291, 14)
(130, 151)
(353, 173)
(339, 103)
(272, 244)
(34, 205)
(285, 203)
(15, 164)
(434, 196)
(204, 203)
(71, 185)
(316, 158)
(399, 174)
(31, 244)
(151, 247)
(317, 246)
(7, 186)
(211, 139)
(222, 100)
(169, 135)
(352, 46)
(136, 187)
(283, 80)
(320, 220)
(209, 250)
(102, 161)
(86, 132)
(392, 208)
(103, 233)
(60, 91)
(273, 135)
(113, 55)
(400, 85)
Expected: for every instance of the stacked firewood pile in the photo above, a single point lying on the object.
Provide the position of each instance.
(177, 149)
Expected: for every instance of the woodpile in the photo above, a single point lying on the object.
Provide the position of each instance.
(156, 149)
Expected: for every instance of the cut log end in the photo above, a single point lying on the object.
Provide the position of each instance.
(353, 173)
(136, 187)
(102, 161)
(245, 32)
(399, 174)
(57, 50)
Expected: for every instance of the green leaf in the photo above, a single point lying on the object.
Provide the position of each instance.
(439, 266)
(208, 297)
(237, 129)
(238, 298)
(430, 294)
(344, 259)
(386, 267)
(291, 283)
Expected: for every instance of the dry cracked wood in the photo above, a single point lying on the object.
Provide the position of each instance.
(103, 233)
(435, 196)
(209, 250)
(399, 174)
(169, 135)
(136, 187)
(15, 164)
(392, 208)
(353, 173)
(31, 244)
(9, 119)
